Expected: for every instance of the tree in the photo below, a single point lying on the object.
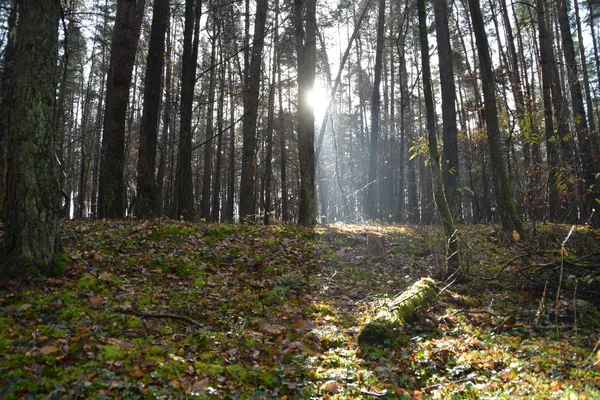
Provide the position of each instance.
(147, 195)
(184, 189)
(306, 53)
(450, 168)
(439, 195)
(251, 99)
(111, 194)
(546, 60)
(506, 208)
(375, 108)
(586, 148)
(7, 68)
(32, 201)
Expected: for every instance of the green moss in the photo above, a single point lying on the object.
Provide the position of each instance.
(222, 231)
(110, 352)
(378, 332)
(88, 282)
(208, 368)
(62, 262)
(70, 312)
(270, 243)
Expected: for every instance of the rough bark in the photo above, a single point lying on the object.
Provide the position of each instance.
(32, 198)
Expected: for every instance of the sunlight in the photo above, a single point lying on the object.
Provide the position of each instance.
(318, 100)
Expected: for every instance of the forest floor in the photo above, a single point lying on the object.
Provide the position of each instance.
(166, 309)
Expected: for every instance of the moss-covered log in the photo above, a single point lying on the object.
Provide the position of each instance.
(385, 328)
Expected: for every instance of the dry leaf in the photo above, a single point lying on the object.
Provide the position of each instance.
(105, 276)
(49, 350)
(200, 387)
(516, 236)
(24, 307)
(97, 301)
(331, 387)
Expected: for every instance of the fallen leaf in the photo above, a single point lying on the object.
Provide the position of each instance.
(199, 387)
(49, 350)
(24, 307)
(96, 301)
(516, 236)
(331, 387)
(105, 276)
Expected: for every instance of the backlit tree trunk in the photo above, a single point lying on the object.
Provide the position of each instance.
(305, 51)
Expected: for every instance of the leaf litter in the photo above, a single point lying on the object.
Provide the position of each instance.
(167, 309)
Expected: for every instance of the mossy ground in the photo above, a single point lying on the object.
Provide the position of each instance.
(175, 310)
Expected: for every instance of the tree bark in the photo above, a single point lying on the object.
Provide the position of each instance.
(146, 182)
(126, 33)
(249, 139)
(450, 167)
(306, 54)
(32, 198)
(184, 189)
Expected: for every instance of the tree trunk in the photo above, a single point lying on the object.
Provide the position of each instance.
(546, 60)
(5, 84)
(32, 198)
(126, 33)
(249, 140)
(508, 214)
(586, 146)
(208, 142)
(146, 182)
(371, 206)
(306, 54)
(184, 188)
(439, 196)
(450, 167)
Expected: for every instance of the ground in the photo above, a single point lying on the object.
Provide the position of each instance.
(166, 309)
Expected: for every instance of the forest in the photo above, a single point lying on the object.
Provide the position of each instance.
(300, 199)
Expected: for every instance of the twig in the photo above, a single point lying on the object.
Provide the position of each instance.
(163, 315)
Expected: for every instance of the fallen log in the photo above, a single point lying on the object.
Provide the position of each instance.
(385, 328)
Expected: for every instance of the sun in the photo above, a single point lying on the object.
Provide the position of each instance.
(318, 100)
